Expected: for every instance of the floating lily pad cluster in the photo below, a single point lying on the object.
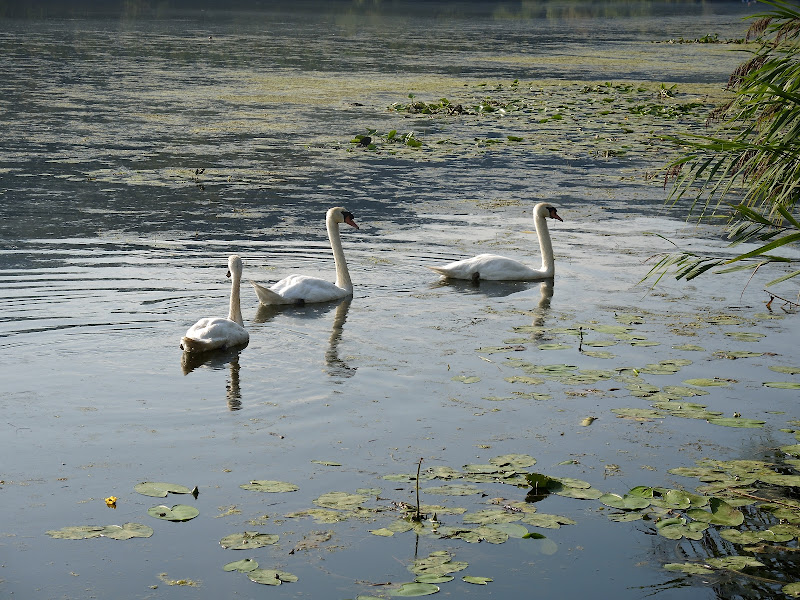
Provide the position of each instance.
(569, 119)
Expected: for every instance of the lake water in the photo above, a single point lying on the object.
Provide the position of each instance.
(141, 147)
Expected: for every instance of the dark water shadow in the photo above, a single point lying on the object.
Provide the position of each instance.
(489, 289)
(266, 313)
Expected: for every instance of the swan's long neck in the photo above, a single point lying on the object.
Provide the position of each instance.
(545, 245)
(342, 274)
(235, 311)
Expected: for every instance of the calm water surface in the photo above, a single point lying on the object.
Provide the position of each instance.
(140, 150)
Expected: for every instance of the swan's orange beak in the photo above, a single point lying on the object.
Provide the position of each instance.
(554, 214)
(349, 220)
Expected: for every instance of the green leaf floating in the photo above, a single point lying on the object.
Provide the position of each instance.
(735, 563)
(271, 576)
(627, 502)
(413, 589)
(243, 566)
(247, 540)
(792, 589)
(127, 531)
(467, 378)
(160, 489)
(340, 500)
(114, 532)
(266, 485)
(453, 490)
(179, 512)
(434, 578)
(513, 461)
(476, 580)
(77, 532)
(688, 568)
(782, 385)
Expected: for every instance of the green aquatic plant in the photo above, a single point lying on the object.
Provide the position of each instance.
(748, 170)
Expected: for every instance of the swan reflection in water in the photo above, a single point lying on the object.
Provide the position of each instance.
(217, 360)
(336, 367)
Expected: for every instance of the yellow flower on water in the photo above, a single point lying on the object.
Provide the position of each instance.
(111, 502)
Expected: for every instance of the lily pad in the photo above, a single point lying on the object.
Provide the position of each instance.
(271, 576)
(466, 379)
(179, 512)
(491, 515)
(792, 589)
(547, 521)
(736, 422)
(243, 566)
(160, 489)
(434, 578)
(320, 515)
(675, 529)
(413, 589)
(512, 530)
(626, 502)
(745, 336)
(688, 568)
(707, 382)
(785, 369)
(127, 531)
(783, 385)
(247, 540)
(735, 563)
(266, 485)
(513, 461)
(77, 532)
(453, 490)
(476, 580)
(340, 500)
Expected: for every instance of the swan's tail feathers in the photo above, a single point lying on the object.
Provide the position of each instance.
(441, 271)
(191, 345)
(267, 296)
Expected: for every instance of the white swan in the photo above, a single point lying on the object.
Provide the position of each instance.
(304, 289)
(213, 333)
(492, 267)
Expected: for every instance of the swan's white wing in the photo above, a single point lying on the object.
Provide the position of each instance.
(489, 267)
(212, 333)
(297, 289)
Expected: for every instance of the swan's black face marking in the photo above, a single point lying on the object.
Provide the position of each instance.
(349, 219)
(553, 213)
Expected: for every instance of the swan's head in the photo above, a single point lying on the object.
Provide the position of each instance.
(340, 215)
(544, 210)
(234, 265)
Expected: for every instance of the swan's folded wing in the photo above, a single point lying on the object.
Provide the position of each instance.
(267, 296)
(488, 267)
